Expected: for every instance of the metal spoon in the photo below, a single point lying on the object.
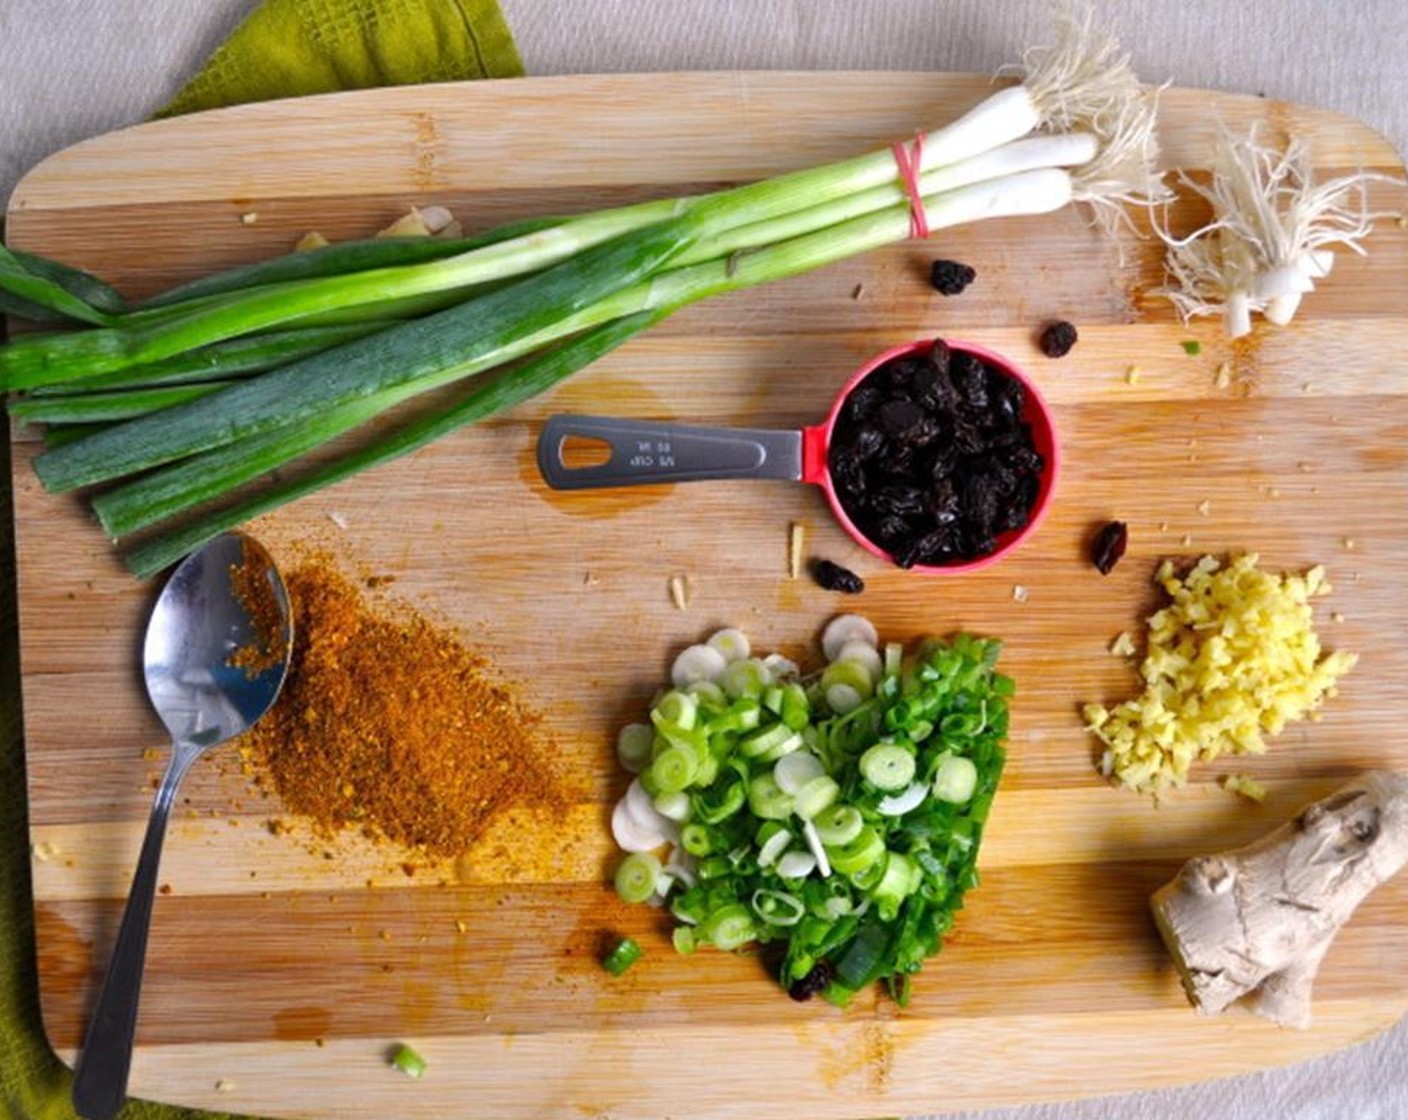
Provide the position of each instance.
(207, 688)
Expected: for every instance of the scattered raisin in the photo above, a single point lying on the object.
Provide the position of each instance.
(1057, 339)
(1108, 546)
(814, 982)
(833, 577)
(949, 277)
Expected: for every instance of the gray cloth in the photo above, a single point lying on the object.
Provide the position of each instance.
(75, 68)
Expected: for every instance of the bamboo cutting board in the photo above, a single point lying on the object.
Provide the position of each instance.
(277, 979)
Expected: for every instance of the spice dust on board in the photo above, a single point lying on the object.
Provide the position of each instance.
(391, 725)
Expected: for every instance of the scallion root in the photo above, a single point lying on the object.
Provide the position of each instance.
(1269, 237)
(1084, 83)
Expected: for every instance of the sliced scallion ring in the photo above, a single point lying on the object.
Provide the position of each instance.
(766, 799)
(887, 767)
(956, 779)
(773, 847)
(748, 678)
(898, 804)
(843, 699)
(838, 824)
(631, 836)
(795, 770)
(728, 927)
(674, 768)
(676, 708)
(818, 794)
(697, 663)
(778, 908)
(633, 746)
(796, 865)
(846, 628)
(637, 876)
(852, 673)
(733, 644)
(863, 653)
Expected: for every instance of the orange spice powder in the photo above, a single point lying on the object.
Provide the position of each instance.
(252, 583)
(390, 724)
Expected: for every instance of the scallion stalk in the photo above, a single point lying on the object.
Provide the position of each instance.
(89, 408)
(428, 352)
(234, 358)
(484, 399)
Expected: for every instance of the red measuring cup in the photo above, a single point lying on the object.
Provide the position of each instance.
(651, 451)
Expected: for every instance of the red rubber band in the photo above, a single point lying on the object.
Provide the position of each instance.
(908, 160)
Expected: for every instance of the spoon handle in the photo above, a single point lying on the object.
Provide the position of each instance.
(100, 1083)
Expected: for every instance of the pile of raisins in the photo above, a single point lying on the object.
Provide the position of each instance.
(931, 458)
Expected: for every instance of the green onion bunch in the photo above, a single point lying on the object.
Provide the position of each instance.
(202, 408)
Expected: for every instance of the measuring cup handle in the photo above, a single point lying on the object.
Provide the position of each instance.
(643, 451)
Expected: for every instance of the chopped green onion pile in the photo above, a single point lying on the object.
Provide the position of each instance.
(838, 815)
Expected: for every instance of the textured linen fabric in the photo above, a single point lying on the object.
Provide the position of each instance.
(295, 47)
(75, 68)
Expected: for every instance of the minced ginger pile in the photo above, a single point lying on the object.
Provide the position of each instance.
(1234, 657)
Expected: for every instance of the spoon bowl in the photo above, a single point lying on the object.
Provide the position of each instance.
(216, 654)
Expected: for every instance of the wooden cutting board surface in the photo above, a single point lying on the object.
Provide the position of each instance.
(278, 979)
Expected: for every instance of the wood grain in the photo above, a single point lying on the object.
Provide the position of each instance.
(287, 974)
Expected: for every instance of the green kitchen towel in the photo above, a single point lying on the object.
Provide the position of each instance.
(285, 48)
(291, 48)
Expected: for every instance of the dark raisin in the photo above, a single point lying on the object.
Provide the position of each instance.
(1057, 339)
(943, 501)
(899, 419)
(943, 456)
(1014, 515)
(1005, 439)
(940, 355)
(848, 474)
(978, 501)
(813, 983)
(978, 542)
(968, 438)
(949, 277)
(924, 433)
(833, 577)
(1028, 490)
(862, 400)
(932, 548)
(1008, 398)
(1023, 457)
(867, 442)
(898, 375)
(932, 389)
(1108, 546)
(971, 377)
(902, 501)
(890, 530)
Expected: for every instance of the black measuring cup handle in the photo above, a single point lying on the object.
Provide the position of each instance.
(643, 451)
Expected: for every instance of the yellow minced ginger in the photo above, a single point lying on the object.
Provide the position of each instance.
(1232, 658)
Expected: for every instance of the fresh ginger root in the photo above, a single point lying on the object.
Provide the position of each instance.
(1258, 920)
